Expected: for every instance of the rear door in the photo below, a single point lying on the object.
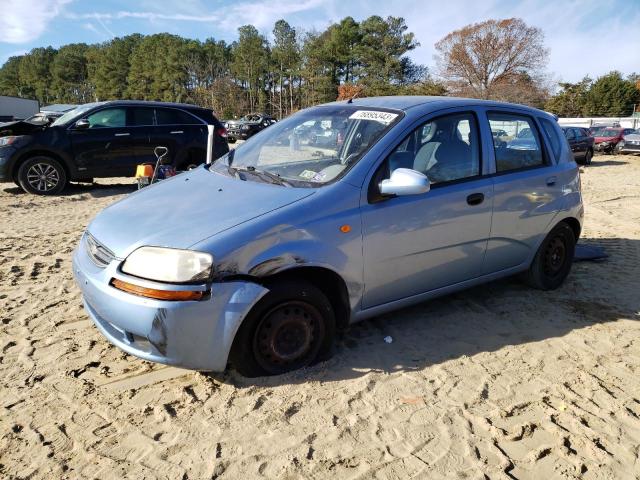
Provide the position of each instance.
(527, 192)
(582, 142)
(184, 134)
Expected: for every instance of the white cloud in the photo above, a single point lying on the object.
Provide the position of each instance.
(23, 21)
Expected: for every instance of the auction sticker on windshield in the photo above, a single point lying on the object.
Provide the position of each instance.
(383, 117)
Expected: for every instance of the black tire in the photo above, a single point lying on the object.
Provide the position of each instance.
(231, 140)
(42, 176)
(553, 260)
(289, 328)
(588, 157)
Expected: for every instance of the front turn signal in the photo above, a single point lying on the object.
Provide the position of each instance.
(169, 295)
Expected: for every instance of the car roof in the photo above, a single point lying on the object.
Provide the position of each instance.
(150, 103)
(407, 102)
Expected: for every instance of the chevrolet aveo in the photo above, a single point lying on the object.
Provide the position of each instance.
(258, 258)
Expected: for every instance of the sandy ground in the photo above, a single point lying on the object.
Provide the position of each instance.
(495, 382)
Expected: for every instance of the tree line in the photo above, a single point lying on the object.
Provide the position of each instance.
(295, 70)
(495, 59)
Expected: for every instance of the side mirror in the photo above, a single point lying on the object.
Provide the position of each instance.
(405, 181)
(82, 124)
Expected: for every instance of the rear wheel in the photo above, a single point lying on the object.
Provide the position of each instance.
(42, 176)
(287, 329)
(553, 260)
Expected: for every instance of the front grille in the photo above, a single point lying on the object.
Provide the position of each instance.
(98, 253)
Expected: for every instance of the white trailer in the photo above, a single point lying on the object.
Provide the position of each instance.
(16, 108)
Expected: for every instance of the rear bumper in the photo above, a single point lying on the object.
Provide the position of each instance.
(194, 334)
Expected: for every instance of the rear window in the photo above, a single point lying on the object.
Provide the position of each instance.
(173, 116)
(140, 116)
(552, 135)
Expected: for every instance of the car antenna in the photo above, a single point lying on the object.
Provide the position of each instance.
(354, 96)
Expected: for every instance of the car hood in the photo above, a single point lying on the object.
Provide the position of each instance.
(187, 209)
(604, 139)
(19, 127)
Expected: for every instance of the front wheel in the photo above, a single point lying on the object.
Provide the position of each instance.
(552, 262)
(287, 329)
(42, 176)
(588, 157)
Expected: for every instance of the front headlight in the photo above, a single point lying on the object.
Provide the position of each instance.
(169, 265)
(7, 140)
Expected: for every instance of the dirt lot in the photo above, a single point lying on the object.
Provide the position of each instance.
(495, 382)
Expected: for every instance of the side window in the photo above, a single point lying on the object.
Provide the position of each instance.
(552, 133)
(444, 149)
(140, 116)
(521, 148)
(109, 117)
(172, 116)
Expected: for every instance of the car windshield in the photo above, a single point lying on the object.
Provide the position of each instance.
(72, 114)
(310, 148)
(608, 132)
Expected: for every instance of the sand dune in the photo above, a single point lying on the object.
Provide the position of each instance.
(495, 382)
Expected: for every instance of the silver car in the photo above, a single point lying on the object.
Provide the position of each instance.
(630, 143)
(260, 257)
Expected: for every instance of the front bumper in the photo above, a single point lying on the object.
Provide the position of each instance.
(630, 148)
(239, 134)
(604, 147)
(6, 154)
(193, 334)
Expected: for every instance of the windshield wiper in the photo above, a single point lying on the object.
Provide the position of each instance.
(272, 177)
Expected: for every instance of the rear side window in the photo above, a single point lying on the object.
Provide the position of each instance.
(552, 135)
(108, 118)
(172, 116)
(140, 116)
(521, 147)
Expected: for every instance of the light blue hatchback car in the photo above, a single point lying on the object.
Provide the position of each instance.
(338, 213)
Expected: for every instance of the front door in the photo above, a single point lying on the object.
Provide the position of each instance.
(108, 147)
(417, 243)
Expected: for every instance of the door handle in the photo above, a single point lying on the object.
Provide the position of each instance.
(551, 181)
(177, 131)
(475, 198)
(122, 134)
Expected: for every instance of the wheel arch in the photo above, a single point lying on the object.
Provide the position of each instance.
(324, 279)
(41, 153)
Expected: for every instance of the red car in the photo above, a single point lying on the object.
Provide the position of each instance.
(606, 138)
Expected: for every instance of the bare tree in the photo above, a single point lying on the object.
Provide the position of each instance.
(482, 59)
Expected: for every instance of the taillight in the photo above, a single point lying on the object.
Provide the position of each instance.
(221, 132)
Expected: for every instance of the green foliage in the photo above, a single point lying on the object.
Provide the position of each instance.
(69, 77)
(108, 66)
(35, 75)
(609, 96)
(10, 77)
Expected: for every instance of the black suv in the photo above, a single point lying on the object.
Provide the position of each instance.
(105, 139)
(248, 126)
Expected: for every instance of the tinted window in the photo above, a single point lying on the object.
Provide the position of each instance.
(172, 116)
(444, 149)
(516, 150)
(109, 117)
(140, 116)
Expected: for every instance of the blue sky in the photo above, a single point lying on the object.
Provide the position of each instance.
(584, 37)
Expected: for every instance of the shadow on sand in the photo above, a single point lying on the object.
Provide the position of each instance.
(482, 319)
